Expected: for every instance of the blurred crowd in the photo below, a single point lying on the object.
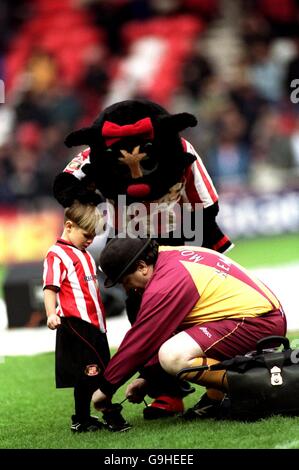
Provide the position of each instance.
(239, 79)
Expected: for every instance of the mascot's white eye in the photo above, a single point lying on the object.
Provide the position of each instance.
(148, 165)
(147, 146)
(111, 155)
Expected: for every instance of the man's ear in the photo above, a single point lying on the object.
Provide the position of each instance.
(142, 266)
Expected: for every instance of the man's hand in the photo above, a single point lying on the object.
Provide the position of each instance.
(136, 391)
(53, 321)
(100, 400)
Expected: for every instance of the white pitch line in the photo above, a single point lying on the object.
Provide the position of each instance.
(283, 280)
(288, 445)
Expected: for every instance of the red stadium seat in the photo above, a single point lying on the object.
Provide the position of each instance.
(178, 46)
(59, 28)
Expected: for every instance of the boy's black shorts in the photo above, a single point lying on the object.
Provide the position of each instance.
(81, 351)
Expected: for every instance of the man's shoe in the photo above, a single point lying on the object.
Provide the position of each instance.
(205, 408)
(91, 424)
(114, 421)
(163, 406)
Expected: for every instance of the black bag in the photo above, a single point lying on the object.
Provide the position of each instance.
(263, 383)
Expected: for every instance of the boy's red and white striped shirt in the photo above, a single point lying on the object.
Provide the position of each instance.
(73, 272)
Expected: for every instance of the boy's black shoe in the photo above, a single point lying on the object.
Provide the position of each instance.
(91, 424)
(205, 408)
(113, 419)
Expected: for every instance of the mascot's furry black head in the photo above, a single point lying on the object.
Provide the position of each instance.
(135, 150)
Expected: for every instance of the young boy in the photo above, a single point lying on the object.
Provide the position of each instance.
(82, 350)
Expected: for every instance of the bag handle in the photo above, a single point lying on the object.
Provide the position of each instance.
(262, 343)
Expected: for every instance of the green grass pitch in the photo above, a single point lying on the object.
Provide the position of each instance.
(34, 415)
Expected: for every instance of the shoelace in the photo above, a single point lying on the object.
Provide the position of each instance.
(127, 398)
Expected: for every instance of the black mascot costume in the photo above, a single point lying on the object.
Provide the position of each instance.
(134, 150)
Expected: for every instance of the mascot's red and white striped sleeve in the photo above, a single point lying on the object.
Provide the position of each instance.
(199, 186)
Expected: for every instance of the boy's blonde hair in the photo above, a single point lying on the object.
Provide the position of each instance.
(86, 216)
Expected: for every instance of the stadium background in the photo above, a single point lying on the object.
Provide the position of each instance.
(230, 62)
